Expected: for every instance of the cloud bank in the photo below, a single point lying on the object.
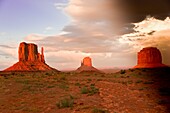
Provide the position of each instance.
(151, 32)
(93, 31)
(96, 30)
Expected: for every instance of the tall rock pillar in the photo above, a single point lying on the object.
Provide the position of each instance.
(87, 62)
(42, 55)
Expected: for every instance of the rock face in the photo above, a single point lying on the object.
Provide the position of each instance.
(149, 57)
(86, 66)
(87, 61)
(29, 52)
(30, 59)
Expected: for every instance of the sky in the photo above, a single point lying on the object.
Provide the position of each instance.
(111, 32)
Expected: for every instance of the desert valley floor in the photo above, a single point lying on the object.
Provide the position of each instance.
(126, 91)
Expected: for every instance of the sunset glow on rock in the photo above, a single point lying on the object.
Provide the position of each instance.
(149, 57)
(86, 66)
(29, 52)
(87, 62)
(30, 59)
(85, 56)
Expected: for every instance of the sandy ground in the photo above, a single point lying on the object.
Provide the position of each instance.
(130, 91)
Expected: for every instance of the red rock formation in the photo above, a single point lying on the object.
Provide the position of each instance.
(86, 66)
(149, 57)
(30, 59)
(29, 66)
(29, 52)
(42, 55)
(87, 61)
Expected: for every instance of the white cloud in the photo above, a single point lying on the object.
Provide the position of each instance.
(3, 33)
(92, 32)
(106, 15)
(8, 55)
(65, 59)
(93, 28)
(34, 37)
(72, 59)
(152, 24)
(49, 28)
(149, 25)
(60, 6)
(151, 32)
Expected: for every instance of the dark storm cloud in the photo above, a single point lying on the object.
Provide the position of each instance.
(139, 9)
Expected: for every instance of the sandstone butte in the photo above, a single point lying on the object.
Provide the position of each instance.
(86, 66)
(149, 57)
(30, 59)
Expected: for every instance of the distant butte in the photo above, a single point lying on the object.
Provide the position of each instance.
(149, 57)
(30, 59)
(86, 66)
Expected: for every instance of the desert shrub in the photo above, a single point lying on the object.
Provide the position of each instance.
(51, 86)
(130, 82)
(89, 90)
(84, 90)
(98, 110)
(66, 103)
(89, 79)
(102, 75)
(63, 86)
(55, 78)
(62, 77)
(92, 84)
(95, 74)
(123, 82)
(122, 71)
(30, 109)
(116, 76)
(13, 73)
(48, 74)
(138, 81)
(77, 84)
(131, 70)
(23, 81)
(6, 77)
(142, 88)
(99, 79)
(93, 90)
(86, 74)
(83, 107)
